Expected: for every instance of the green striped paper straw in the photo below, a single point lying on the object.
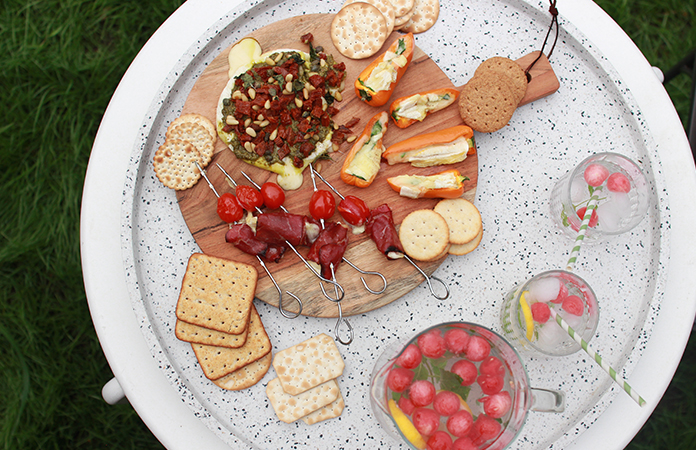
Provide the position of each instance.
(598, 359)
(591, 206)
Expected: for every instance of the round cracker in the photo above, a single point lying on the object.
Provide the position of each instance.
(463, 249)
(425, 14)
(487, 102)
(509, 68)
(403, 7)
(424, 234)
(197, 135)
(358, 30)
(462, 217)
(175, 164)
(196, 118)
(246, 376)
(402, 21)
(385, 7)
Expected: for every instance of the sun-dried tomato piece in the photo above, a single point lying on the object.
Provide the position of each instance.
(306, 148)
(307, 38)
(352, 122)
(316, 80)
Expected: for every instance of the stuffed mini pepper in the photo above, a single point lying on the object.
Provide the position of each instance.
(376, 83)
(362, 161)
(448, 146)
(414, 108)
(447, 184)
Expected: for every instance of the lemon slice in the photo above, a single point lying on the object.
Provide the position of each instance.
(406, 426)
(528, 319)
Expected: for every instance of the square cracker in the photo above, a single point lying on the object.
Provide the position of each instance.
(289, 408)
(308, 364)
(246, 376)
(330, 411)
(196, 334)
(217, 293)
(217, 362)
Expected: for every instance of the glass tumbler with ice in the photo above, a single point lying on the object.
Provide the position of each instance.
(526, 317)
(621, 192)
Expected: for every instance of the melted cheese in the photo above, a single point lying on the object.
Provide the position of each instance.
(433, 155)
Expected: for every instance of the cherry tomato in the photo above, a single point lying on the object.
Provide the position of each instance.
(229, 209)
(354, 210)
(249, 198)
(273, 195)
(322, 204)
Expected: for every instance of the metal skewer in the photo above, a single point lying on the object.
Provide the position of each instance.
(282, 310)
(428, 279)
(337, 287)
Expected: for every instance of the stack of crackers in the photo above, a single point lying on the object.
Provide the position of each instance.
(453, 227)
(216, 315)
(189, 139)
(361, 27)
(306, 386)
(489, 99)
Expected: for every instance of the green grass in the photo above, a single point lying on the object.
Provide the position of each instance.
(60, 62)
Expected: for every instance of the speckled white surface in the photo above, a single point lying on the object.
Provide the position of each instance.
(518, 166)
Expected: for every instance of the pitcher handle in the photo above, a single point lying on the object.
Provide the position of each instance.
(547, 400)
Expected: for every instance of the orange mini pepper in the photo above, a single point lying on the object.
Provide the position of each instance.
(376, 83)
(447, 146)
(414, 108)
(447, 184)
(362, 161)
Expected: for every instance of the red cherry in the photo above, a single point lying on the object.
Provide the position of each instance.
(446, 403)
(466, 370)
(410, 358)
(491, 384)
(422, 392)
(463, 443)
(497, 405)
(478, 349)
(460, 423)
(406, 405)
(440, 440)
(618, 182)
(426, 421)
(595, 174)
(456, 340)
(573, 305)
(594, 218)
(399, 379)
(540, 312)
(432, 344)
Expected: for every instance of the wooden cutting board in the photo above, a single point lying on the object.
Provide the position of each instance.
(198, 204)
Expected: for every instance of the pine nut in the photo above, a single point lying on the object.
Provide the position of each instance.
(250, 131)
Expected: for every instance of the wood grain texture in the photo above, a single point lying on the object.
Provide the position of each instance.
(198, 204)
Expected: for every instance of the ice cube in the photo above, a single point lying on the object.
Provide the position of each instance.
(550, 335)
(545, 289)
(579, 191)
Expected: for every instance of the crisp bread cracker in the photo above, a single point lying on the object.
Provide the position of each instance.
(487, 102)
(195, 118)
(197, 135)
(358, 30)
(289, 407)
(462, 217)
(217, 293)
(403, 7)
(510, 69)
(424, 234)
(385, 7)
(217, 362)
(308, 364)
(330, 411)
(246, 376)
(175, 164)
(463, 249)
(425, 14)
(200, 335)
